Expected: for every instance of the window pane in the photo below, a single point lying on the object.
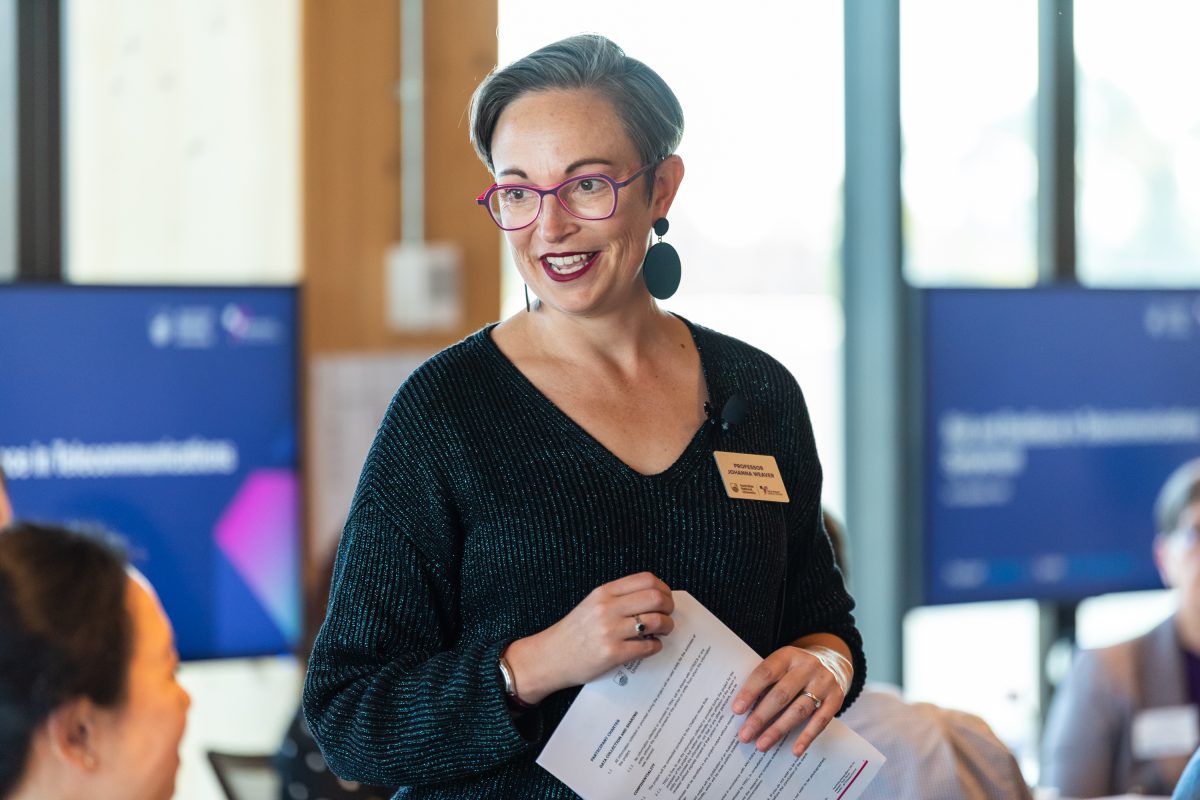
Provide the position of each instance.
(758, 219)
(1139, 142)
(181, 138)
(967, 107)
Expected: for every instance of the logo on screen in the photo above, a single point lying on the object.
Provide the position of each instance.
(243, 326)
(191, 327)
(1169, 319)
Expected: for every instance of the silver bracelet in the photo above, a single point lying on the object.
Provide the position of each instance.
(510, 685)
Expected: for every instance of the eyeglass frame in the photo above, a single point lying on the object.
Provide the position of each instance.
(485, 198)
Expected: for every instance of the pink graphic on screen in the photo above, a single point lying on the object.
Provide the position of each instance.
(258, 535)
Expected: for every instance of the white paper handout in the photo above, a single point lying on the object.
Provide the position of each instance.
(662, 728)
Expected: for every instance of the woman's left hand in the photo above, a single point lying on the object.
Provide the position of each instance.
(785, 685)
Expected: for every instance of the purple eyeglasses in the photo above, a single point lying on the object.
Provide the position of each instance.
(513, 206)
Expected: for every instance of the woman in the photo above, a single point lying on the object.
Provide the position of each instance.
(536, 492)
(89, 704)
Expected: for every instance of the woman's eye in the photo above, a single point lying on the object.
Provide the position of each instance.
(589, 186)
(512, 195)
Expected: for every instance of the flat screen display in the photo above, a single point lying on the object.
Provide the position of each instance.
(1051, 417)
(168, 416)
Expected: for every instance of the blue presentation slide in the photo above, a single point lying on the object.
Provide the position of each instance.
(168, 416)
(1051, 418)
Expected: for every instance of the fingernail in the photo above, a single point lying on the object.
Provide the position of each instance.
(739, 707)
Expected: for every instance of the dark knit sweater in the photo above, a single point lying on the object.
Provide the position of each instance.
(484, 514)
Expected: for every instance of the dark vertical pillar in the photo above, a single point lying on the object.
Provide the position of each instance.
(1056, 141)
(39, 140)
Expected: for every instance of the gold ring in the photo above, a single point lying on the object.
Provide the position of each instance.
(816, 700)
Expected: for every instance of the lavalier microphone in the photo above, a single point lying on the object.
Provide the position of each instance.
(733, 412)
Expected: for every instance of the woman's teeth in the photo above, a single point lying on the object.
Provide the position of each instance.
(565, 265)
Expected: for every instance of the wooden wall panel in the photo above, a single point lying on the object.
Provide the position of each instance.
(460, 50)
(351, 165)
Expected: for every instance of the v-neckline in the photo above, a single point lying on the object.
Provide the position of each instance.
(683, 463)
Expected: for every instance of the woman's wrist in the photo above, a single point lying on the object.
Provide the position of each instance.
(525, 671)
(510, 687)
(838, 665)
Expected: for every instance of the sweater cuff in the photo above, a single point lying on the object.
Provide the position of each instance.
(528, 724)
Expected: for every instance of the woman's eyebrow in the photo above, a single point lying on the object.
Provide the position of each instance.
(574, 165)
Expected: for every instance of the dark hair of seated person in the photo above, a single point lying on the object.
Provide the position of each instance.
(65, 631)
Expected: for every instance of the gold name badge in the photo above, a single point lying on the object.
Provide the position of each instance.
(751, 477)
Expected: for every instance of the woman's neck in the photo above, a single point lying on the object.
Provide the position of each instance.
(45, 781)
(622, 338)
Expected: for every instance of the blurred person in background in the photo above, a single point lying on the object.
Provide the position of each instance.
(933, 753)
(89, 704)
(1125, 718)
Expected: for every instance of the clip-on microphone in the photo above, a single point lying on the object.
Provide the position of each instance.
(733, 412)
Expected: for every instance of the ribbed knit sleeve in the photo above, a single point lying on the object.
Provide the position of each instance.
(392, 694)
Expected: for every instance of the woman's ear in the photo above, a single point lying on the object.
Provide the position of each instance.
(72, 731)
(667, 177)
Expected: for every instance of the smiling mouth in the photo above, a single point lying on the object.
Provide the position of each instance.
(568, 265)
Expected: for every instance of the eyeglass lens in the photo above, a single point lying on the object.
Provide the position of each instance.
(587, 197)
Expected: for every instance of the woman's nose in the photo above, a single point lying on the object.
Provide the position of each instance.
(555, 221)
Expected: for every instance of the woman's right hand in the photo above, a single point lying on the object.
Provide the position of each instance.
(597, 635)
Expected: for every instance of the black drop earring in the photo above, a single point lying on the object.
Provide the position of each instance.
(527, 309)
(661, 270)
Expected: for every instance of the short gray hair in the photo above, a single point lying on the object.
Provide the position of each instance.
(1181, 490)
(646, 106)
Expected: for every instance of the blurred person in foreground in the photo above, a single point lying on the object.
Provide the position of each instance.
(933, 753)
(1125, 718)
(537, 491)
(89, 704)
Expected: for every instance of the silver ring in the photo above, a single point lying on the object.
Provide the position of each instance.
(639, 626)
(816, 700)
